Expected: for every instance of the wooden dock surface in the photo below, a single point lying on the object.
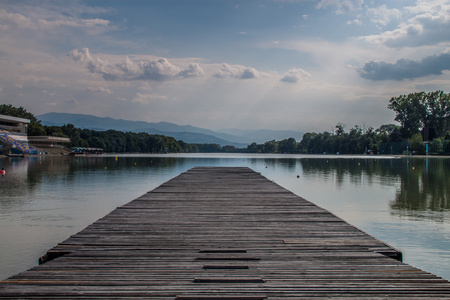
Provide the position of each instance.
(222, 233)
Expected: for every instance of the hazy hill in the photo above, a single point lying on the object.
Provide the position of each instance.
(186, 133)
(263, 135)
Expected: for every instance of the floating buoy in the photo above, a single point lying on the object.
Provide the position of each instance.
(2, 172)
(298, 176)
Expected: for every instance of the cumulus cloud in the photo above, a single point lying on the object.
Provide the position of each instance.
(160, 69)
(429, 26)
(238, 72)
(295, 75)
(406, 68)
(151, 69)
(193, 70)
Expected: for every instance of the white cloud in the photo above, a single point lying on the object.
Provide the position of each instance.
(238, 72)
(354, 21)
(429, 25)
(52, 93)
(202, 92)
(134, 69)
(428, 6)
(99, 90)
(30, 20)
(160, 69)
(10, 20)
(341, 6)
(144, 98)
(193, 70)
(72, 22)
(383, 15)
(295, 75)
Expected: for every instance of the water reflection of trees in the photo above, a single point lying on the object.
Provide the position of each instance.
(25, 174)
(424, 182)
(355, 170)
(425, 186)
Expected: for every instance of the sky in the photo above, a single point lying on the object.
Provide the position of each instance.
(303, 65)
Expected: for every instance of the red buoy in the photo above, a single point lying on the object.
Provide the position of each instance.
(2, 172)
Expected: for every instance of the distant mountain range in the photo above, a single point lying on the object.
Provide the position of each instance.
(187, 133)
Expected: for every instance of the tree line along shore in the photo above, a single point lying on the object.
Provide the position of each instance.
(424, 128)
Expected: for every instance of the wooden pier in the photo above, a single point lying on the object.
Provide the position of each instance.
(222, 233)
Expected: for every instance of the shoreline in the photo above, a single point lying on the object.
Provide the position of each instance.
(237, 153)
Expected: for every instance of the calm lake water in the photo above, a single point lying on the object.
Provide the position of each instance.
(404, 202)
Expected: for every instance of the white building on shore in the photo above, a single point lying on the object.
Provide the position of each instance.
(14, 135)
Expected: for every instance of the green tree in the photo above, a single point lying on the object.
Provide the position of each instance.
(229, 149)
(54, 131)
(308, 142)
(18, 112)
(417, 144)
(287, 146)
(417, 110)
(254, 148)
(270, 147)
(208, 148)
(410, 112)
(437, 111)
(340, 129)
(73, 133)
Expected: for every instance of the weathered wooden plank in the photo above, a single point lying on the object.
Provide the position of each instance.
(222, 233)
